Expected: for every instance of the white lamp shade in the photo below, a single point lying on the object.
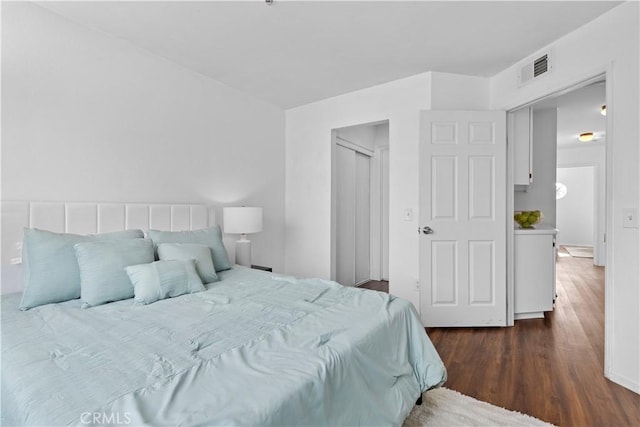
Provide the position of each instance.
(244, 220)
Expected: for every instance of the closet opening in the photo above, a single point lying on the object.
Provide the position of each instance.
(360, 204)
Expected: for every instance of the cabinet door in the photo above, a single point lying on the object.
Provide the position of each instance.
(534, 273)
(521, 134)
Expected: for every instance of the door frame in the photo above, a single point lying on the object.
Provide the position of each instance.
(604, 72)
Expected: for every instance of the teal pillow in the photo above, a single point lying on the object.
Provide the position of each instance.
(211, 237)
(184, 251)
(49, 267)
(164, 279)
(102, 268)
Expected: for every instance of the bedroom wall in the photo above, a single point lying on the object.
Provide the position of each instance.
(458, 92)
(89, 117)
(308, 180)
(610, 42)
(308, 176)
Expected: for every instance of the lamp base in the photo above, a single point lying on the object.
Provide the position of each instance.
(243, 253)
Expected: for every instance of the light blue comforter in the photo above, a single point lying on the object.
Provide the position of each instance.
(254, 349)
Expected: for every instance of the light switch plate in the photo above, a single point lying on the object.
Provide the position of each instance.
(408, 214)
(630, 218)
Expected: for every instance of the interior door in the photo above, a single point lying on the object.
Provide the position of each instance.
(463, 218)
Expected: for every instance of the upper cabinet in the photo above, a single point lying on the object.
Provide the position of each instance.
(521, 132)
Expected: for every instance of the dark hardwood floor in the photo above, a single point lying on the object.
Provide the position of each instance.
(376, 285)
(549, 368)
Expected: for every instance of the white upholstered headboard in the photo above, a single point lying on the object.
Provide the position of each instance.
(88, 218)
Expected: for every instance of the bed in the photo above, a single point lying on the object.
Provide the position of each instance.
(253, 348)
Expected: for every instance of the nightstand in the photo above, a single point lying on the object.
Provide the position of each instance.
(260, 267)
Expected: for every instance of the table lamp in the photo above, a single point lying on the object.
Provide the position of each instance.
(243, 221)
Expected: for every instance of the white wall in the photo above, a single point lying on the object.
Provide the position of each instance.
(88, 117)
(364, 136)
(541, 194)
(308, 179)
(611, 42)
(575, 211)
(593, 154)
(458, 92)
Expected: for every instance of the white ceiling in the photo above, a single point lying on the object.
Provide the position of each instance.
(295, 52)
(578, 112)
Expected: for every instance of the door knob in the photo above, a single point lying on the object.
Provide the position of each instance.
(426, 230)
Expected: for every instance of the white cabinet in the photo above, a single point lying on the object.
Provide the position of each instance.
(535, 272)
(521, 132)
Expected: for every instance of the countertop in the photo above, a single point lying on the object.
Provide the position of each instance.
(539, 229)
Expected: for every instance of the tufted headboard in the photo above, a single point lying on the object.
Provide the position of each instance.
(88, 218)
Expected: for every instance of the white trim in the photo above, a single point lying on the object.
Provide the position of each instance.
(569, 85)
(353, 146)
(334, 206)
(608, 271)
(624, 381)
(510, 231)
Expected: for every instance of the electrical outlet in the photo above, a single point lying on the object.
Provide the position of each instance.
(630, 218)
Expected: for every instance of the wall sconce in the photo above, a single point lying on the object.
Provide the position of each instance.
(603, 110)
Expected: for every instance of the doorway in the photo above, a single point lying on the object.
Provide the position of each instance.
(360, 203)
(580, 211)
(575, 210)
(583, 111)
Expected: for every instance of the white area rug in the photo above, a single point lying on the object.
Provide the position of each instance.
(580, 251)
(448, 408)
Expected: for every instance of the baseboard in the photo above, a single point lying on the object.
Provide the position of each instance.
(625, 382)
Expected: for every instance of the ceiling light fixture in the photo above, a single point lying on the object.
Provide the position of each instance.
(603, 110)
(586, 137)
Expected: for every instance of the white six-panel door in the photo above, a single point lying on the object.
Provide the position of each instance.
(463, 204)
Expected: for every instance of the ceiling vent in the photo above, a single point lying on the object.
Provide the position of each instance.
(534, 68)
